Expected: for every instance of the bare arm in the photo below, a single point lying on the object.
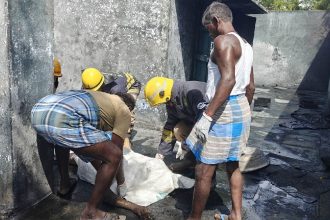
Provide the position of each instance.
(250, 88)
(225, 55)
(120, 176)
(117, 140)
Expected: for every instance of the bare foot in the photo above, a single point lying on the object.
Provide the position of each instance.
(143, 212)
(99, 215)
(92, 214)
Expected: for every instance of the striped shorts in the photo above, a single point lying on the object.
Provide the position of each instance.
(227, 136)
(68, 119)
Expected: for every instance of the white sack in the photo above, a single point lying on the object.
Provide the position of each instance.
(148, 179)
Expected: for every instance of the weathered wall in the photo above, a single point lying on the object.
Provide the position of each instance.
(26, 74)
(158, 38)
(112, 36)
(128, 35)
(286, 45)
(6, 191)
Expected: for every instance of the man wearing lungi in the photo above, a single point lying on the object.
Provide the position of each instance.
(123, 83)
(93, 125)
(223, 129)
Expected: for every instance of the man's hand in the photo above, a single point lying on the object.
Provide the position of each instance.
(202, 127)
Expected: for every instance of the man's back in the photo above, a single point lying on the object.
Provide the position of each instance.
(121, 83)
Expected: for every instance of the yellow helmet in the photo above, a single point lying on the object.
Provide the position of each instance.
(57, 68)
(158, 90)
(92, 79)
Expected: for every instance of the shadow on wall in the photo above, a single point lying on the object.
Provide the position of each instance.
(317, 78)
(26, 186)
(314, 90)
(313, 93)
(295, 140)
(318, 74)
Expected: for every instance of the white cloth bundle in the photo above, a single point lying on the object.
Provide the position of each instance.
(148, 179)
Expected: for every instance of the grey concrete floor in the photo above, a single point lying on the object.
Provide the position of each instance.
(296, 184)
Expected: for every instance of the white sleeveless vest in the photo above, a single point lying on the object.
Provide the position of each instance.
(242, 71)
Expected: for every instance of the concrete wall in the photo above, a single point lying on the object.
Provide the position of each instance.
(286, 47)
(147, 38)
(128, 35)
(112, 36)
(26, 76)
(6, 166)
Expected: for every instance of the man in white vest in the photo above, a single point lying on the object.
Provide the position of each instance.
(221, 133)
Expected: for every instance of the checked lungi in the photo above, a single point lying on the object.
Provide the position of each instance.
(69, 119)
(228, 134)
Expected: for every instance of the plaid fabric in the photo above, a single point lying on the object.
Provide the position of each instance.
(227, 136)
(68, 119)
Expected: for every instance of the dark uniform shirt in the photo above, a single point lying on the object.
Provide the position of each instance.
(121, 83)
(187, 104)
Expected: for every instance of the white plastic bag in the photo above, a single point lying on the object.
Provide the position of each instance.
(148, 179)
